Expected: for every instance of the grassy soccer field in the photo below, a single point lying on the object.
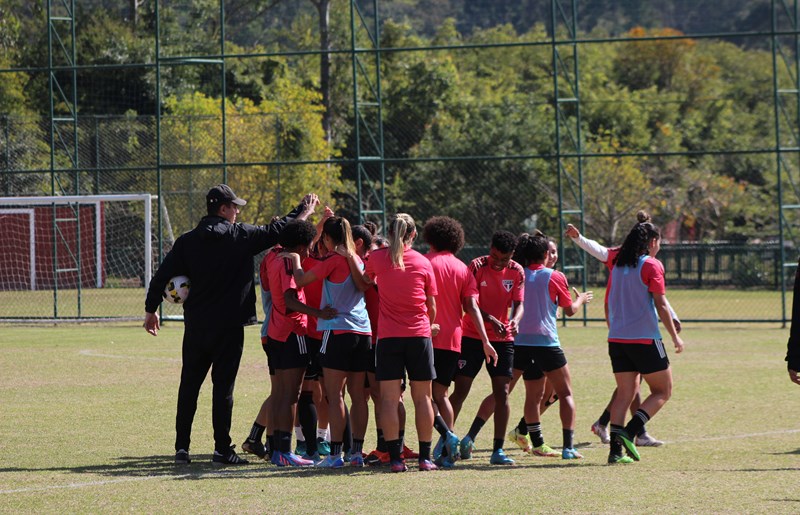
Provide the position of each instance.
(88, 417)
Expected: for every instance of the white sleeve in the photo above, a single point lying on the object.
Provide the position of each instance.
(593, 248)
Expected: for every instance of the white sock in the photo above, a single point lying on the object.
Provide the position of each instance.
(322, 432)
(298, 433)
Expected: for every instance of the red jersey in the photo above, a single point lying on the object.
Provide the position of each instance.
(313, 293)
(497, 290)
(403, 293)
(455, 283)
(281, 278)
(373, 307)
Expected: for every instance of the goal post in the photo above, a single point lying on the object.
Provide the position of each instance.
(81, 244)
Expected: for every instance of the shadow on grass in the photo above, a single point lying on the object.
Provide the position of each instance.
(795, 452)
(132, 467)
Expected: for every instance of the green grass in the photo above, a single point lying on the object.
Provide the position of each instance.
(733, 305)
(88, 426)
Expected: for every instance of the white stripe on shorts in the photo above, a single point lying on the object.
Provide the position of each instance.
(325, 335)
(301, 345)
(660, 346)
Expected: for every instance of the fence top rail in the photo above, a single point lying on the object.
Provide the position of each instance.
(72, 199)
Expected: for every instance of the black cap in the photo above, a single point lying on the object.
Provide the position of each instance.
(223, 193)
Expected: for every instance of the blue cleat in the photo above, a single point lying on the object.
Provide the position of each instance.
(499, 458)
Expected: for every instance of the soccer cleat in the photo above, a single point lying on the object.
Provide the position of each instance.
(499, 458)
(376, 458)
(408, 454)
(645, 440)
(445, 462)
(398, 466)
(356, 460)
(545, 451)
(570, 454)
(182, 457)
(630, 448)
(331, 462)
(300, 449)
(314, 458)
(253, 447)
(323, 446)
(613, 460)
(601, 431)
(466, 448)
(427, 465)
(438, 448)
(288, 459)
(451, 443)
(229, 458)
(522, 440)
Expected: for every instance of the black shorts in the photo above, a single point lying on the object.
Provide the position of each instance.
(545, 359)
(314, 368)
(348, 352)
(396, 356)
(472, 359)
(270, 352)
(445, 363)
(644, 358)
(293, 353)
(371, 365)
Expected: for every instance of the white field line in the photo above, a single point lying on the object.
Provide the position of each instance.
(88, 352)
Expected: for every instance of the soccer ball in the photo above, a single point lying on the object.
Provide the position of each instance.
(177, 289)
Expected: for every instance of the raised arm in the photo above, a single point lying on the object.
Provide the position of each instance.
(591, 247)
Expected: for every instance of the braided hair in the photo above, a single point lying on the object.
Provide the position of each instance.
(638, 241)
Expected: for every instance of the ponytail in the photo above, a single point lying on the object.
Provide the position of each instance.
(338, 228)
(531, 248)
(401, 229)
(637, 242)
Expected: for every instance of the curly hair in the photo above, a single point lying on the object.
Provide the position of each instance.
(504, 241)
(444, 233)
(531, 248)
(297, 232)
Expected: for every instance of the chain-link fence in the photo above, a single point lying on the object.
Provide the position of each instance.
(500, 127)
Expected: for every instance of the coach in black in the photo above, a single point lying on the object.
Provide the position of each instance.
(793, 347)
(217, 256)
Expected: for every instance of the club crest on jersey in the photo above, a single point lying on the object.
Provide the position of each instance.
(462, 363)
(508, 284)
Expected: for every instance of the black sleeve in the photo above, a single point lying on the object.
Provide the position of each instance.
(793, 347)
(266, 236)
(168, 269)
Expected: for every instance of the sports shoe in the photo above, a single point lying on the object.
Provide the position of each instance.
(545, 451)
(398, 466)
(466, 448)
(570, 454)
(314, 458)
(323, 446)
(182, 457)
(438, 448)
(645, 440)
(408, 454)
(331, 462)
(613, 460)
(630, 448)
(229, 458)
(445, 462)
(300, 448)
(288, 459)
(601, 432)
(427, 465)
(376, 458)
(451, 443)
(356, 460)
(499, 458)
(253, 447)
(522, 440)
